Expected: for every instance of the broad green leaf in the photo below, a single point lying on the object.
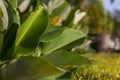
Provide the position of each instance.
(68, 36)
(51, 33)
(4, 18)
(74, 44)
(64, 58)
(28, 68)
(9, 40)
(29, 32)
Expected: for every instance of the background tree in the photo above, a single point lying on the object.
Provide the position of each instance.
(98, 22)
(116, 18)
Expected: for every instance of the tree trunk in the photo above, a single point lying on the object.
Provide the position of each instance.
(101, 42)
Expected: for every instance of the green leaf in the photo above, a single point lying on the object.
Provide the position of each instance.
(70, 17)
(74, 44)
(68, 36)
(29, 32)
(51, 33)
(13, 3)
(28, 68)
(62, 10)
(53, 4)
(13, 14)
(9, 40)
(4, 17)
(58, 8)
(64, 58)
(16, 17)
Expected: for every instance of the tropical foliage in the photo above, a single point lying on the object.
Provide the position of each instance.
(36, 41)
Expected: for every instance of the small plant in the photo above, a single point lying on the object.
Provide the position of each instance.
(31, 49)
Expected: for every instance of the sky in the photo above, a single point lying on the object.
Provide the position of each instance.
(111, 7)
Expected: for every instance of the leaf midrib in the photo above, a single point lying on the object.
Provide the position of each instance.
(37, 12)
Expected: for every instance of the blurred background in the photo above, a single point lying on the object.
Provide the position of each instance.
(102, 20)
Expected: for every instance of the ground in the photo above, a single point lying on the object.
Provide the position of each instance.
(105, 67)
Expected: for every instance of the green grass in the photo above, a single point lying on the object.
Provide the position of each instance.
(105, 67)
